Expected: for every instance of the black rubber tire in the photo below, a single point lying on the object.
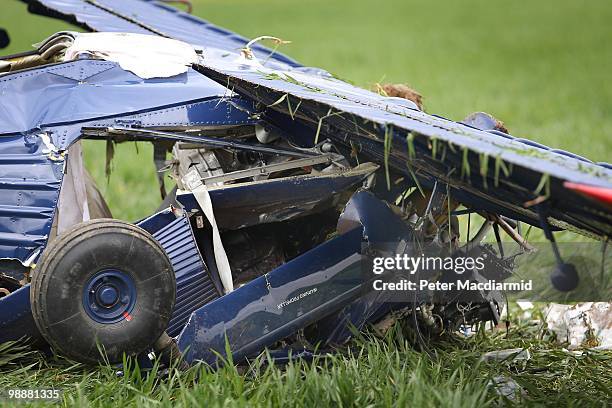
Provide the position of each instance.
(71, 260)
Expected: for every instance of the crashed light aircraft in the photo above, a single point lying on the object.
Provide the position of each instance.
(287, 178)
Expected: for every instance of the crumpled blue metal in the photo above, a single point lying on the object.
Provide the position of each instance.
(90, 89)
(57, 101)
(473, 162)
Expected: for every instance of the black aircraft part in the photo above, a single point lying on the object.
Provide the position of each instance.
(5, 40)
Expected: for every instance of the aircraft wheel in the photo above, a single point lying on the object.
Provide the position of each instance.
(105, 285)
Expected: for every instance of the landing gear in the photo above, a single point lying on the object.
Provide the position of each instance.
(564, 277)
(4, 38)
(104, 286)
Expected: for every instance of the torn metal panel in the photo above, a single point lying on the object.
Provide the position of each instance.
(366, 211)
(278, 199)
(194, 284)
(337, 328)
(85, 90)
(32, 164)
(432, 146)
(277, 304)
(28, 195)
(150, 17)
(315, 284)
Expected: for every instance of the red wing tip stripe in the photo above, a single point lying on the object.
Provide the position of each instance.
(602, 194)
(127, 316)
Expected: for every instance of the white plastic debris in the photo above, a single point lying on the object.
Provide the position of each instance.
(148, 56)
(581, 325)
(524, 305)
(510, 355)
(527, 309)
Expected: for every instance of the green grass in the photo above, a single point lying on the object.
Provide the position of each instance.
(375, 371)
(543, 67)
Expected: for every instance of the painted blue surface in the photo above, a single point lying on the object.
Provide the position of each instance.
(287, 355)
(274, 200)
(61, 99)
(16, 320)
(110, 293)
(360, 119)
(252, 316)
(381, 227)
(84, 90)
(338, 328)
(195, 285)
(157, 221)
(368, 106)
(366, 118)
(29, 189)
(308, 288)
(109, 296)
(151, 17)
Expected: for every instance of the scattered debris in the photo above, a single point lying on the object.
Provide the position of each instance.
(507, 387)
(483, 120)
(527, 309)
(387, 322)
(581, 325)
(510, 355)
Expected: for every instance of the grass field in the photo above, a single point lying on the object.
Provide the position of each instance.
(543, 67)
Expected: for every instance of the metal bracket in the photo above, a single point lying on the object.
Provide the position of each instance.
(204, 141)
(267, 169)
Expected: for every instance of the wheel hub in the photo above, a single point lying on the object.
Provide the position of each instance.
(109, 296)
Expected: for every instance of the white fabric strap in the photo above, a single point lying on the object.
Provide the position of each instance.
(73, 207)
(194, 183)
